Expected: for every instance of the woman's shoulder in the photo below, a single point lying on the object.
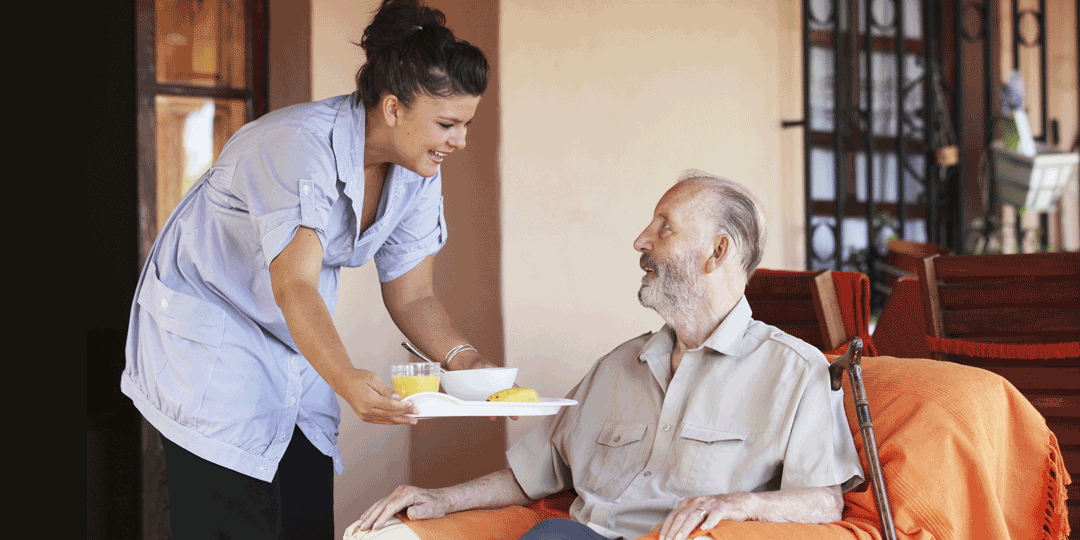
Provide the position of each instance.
(316, 116)
(303, 127)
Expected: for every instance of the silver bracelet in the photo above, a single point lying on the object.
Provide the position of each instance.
(453, 352)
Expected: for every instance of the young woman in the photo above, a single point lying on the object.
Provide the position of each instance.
(232, 353)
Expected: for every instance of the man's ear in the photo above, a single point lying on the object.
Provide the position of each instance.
(391, 109)
(721, 249)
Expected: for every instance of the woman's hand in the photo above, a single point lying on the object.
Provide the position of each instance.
(421, 504)
(372, 399)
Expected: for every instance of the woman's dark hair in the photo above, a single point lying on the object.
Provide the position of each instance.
(410, 50)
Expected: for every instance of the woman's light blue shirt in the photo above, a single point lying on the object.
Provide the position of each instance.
(210, 360)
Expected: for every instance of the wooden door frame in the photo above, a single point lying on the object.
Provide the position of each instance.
(154, 476)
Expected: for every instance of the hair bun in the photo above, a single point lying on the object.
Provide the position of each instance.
(409, 50)
(396, 21)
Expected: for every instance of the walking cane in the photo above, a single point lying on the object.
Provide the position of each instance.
(851, 362)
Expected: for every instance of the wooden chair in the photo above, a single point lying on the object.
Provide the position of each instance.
(1016, 298)
(902, 261)
(803, 304)
(1019, 316)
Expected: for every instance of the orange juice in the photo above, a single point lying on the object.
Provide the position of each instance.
(407, 385)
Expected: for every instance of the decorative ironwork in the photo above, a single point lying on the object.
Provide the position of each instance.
(886, 82)
(866, 147)
(974, 14)
(813, 19)
(1029, 15)
(1035, 21)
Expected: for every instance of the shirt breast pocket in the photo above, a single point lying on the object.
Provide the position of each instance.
(708, 460)
(620, 447)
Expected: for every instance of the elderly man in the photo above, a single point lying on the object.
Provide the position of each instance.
(714, 417)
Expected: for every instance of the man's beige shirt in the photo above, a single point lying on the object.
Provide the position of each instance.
(750, 410)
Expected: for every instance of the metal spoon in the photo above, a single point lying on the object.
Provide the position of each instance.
(416, 352)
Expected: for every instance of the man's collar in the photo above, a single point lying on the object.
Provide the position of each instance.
(659, 345)
(725, 339)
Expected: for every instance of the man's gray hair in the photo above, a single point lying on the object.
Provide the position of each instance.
(736, 211)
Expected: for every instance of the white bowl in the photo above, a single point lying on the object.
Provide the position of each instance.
(478, 384)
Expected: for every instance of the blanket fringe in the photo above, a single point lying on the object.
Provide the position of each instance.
(1054, 520)
(1004, 350)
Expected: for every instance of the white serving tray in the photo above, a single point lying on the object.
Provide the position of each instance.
(437, 404)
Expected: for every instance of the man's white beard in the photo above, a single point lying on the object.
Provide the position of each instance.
(675, 292)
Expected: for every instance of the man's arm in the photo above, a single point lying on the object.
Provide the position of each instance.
(806, 505)
(495, 490)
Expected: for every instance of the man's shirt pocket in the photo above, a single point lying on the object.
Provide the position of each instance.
(712, 461)
(619, 449)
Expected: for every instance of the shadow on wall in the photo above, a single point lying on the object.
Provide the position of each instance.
(468, 270)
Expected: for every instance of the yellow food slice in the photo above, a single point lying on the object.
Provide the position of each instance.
(515, 394)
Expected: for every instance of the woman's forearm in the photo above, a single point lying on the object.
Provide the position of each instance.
(294, 276)
(313, 330)
(411, 302)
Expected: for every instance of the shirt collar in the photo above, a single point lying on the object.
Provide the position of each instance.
(347, 142)
(728, 336)
(726, 339)
(348, 146)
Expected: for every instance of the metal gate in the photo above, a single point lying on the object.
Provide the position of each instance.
(885, 83)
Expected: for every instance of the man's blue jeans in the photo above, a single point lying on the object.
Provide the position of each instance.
(561, 529)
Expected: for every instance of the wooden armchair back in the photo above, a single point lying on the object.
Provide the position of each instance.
(902, 261)
(1018, 316)
(1014, 298)
(803, 304)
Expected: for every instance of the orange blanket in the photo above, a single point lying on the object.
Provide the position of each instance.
(964, 456)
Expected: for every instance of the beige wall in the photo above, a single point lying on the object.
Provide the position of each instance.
(598, 119)
(468, 269)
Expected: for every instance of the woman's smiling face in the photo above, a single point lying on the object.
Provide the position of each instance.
(433, 127)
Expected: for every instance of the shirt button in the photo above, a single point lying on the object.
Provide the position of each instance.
(292, 401)
(164, 304)
(667, 427)
(348, 249)
(307, 189)
(617, 438)
(282, 437)
(647, 474)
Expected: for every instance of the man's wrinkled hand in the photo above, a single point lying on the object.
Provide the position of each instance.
(421, 504)
(372, 399)
(704, 512)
